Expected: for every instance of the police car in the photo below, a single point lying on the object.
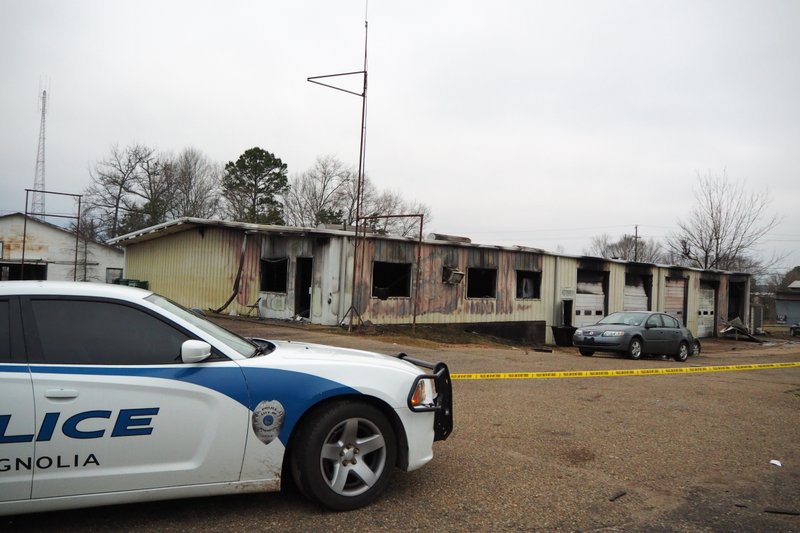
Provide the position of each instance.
(110, 394)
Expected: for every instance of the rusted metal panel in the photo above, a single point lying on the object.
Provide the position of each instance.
(528, 261)
(394, 251)
(441, 302)
(198, 268)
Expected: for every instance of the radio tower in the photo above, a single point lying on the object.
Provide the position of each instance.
(37, 203)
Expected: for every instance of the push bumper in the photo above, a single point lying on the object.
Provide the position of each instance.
(443, 403)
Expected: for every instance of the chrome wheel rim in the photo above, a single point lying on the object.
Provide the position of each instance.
(683, 352)
(353, 456)
(636, 349)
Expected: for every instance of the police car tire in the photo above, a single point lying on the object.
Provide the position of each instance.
(312, 470)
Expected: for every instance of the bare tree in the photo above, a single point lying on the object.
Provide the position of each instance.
(326, 193)
(112, 180)
(629, 248)
(392, 203)
(725, 227)
(319, 195)
(196, 182)
(153, 188)
(137, 187)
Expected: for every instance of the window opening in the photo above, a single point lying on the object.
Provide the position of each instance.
(391, 280)
(274, 274)
(528, 284)
(481, 283)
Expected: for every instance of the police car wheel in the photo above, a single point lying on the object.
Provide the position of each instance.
(344, 455)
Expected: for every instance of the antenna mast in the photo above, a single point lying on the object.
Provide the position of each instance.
(37, 202)
(355, 296)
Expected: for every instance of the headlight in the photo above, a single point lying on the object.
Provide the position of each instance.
(578, 332)
(423, 393)
(613, 333)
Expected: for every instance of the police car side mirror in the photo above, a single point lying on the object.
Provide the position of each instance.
(193, 351)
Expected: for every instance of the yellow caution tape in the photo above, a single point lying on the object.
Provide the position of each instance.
(613, 373)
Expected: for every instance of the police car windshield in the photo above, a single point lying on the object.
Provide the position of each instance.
(240, 344)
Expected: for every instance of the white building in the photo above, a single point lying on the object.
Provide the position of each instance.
(53, 253)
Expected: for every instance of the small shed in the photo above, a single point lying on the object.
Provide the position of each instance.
(53, 253)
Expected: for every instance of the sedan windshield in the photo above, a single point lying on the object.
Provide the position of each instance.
(231, 339)
(625, 319)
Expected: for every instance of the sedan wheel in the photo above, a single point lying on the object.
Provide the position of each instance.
(635, 349)
(696, 347)
(585, 352)
(683, 352)
(344, 455)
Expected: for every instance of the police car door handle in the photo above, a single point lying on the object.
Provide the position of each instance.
(61, 394)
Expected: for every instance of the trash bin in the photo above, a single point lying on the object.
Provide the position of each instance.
(562, 335)
(141, 284)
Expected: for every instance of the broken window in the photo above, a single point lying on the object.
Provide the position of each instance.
(528, 284)
(481, 283)
(274, 274)
(391, 280)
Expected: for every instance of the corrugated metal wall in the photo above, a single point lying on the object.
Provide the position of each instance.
(439, 302)
(197, 268)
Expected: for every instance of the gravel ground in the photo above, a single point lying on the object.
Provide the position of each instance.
(664, 453)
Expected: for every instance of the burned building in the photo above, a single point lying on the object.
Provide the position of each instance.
(330, 277)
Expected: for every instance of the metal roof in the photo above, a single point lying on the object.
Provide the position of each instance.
(188, 223)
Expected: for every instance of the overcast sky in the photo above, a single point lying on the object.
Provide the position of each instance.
(518, 122)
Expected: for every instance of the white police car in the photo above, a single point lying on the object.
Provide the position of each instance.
(110, 394)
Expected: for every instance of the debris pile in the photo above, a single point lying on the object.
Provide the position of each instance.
(735, 327)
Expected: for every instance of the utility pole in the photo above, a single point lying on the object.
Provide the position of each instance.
(37, 202)
(636, 244)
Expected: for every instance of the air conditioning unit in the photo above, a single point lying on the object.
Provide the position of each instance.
(452, 275)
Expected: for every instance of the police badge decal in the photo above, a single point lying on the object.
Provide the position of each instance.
(268, 420)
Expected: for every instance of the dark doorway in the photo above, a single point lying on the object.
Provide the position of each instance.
(736, 300)
(302, 287)
(566, 312)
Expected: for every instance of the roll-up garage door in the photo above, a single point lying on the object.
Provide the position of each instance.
(589, 303)
(675, 298)
(635, 295)
(705, 311)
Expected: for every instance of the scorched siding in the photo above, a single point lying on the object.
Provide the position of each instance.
(197, 268)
